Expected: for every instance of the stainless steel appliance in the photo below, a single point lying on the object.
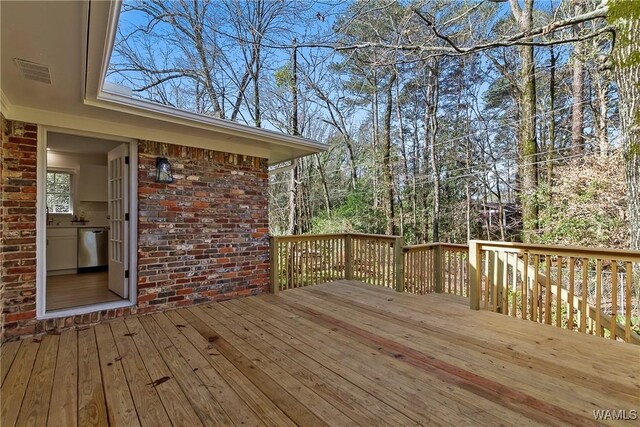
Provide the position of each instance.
(92, 249)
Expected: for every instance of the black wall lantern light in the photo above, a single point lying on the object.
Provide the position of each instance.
(163, 170)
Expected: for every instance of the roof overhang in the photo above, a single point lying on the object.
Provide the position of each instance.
(74, 39)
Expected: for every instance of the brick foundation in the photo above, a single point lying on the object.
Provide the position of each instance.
(202, 238)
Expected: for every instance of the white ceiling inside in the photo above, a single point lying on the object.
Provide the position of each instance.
(66, 143)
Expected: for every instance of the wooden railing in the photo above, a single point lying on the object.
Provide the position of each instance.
(584, 289)
(454, 268)
(588, 290)
(420, 268)
(375, 259)
(304, 260)
(380, 260)
(436, 267)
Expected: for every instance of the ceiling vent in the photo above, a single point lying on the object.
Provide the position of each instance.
(32, 71)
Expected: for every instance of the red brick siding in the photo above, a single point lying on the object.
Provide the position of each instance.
(203, 237)
(18, 171)
(18, 228)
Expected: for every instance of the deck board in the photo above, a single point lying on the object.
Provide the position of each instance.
(17, 380)
(9, 351)
(34, 409)
(63, 409)
(340, 353)
(120, 407)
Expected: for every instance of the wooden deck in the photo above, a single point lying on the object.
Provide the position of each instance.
(342, 353)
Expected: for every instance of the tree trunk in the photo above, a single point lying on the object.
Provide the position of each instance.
(387, 172)
(577, 88)
(325, 188)
(552, 116)
(601, 88)
(256, 88)
(403, 152)
(294, 89)
(293, 201)
(431, 130)
(468, 189)
(626, 17)
(294, 178)
(374, 136)
(528, 141)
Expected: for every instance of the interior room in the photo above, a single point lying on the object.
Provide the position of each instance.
(78, 222)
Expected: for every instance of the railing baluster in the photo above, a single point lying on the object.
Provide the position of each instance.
(559, 292)
(627, 298)
(525, 285)
(585, 289)
(487, 281)
(571, 291)
(598, 297)
(536, 288)
(547, 296)
(514, 286)
(448, 270)
(614, 299)
(505, 284)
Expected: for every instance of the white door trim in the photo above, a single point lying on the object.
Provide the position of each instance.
(41, 226)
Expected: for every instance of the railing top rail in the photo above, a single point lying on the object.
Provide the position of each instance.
(334, 235)
(299, 237)
(412, 248)
(373, 236)
(453, 245)
(555, 250)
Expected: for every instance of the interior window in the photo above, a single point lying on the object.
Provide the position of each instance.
(59, 192)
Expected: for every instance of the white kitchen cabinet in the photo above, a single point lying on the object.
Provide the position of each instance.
(93, 183)
(62, 249)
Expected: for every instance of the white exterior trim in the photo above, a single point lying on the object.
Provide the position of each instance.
(133, 222)
(41, 222)
(41, 227)
(75, 311)
(117, 131)
(5, 105)
(165, 113)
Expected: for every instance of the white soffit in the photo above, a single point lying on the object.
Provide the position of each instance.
(77, 60)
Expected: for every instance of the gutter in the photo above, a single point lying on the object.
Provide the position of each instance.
(286, 168)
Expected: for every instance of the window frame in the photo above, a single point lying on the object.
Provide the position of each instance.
(70, 193)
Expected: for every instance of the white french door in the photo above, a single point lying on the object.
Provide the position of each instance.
(118, 206)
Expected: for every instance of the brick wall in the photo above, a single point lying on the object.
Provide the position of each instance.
(18, 171)
(18, 228)
(203, 237)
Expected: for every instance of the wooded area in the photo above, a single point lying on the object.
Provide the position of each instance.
(445, 120)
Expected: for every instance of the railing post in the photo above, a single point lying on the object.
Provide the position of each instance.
(399, 262)
(475, 274)
(273, 256)
(348, 258)
(437, 268)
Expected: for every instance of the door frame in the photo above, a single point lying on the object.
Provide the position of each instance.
(41, 226)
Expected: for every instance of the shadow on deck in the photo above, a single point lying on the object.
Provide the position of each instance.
(339, 353)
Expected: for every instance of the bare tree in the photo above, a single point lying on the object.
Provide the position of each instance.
(577, 86)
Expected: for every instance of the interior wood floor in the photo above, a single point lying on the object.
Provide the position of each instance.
(75, 290)
(337, 354)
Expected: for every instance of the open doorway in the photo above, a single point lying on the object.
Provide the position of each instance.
(87, 194)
